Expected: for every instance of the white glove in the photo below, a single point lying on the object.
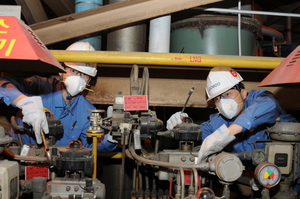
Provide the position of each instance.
(32, 109)
(175, 120)
(110, 138)
(215, 142)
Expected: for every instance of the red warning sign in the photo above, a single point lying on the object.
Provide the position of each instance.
(36, 171)
(135, 103)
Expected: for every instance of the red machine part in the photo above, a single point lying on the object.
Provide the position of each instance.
(287, 72)
(21, 50)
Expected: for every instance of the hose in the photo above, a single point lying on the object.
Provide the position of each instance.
(144, 90)
(196, 179)
(205, 166)
(134, 83)
(182, 182)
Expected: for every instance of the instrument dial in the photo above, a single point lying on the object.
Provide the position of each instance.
(267, 174)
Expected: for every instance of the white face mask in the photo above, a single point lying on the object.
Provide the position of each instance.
(75, 84)
(228, 107)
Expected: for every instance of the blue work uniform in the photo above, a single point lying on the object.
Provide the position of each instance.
(74, 116)
(260, 111)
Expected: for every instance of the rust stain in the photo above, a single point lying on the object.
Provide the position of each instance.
(67, 19)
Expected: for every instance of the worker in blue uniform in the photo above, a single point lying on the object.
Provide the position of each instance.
(61, 97)
(243, 116)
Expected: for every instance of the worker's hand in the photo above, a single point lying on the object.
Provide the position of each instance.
(110, 138)
(175, 120)
(215, 142)
(32, 109)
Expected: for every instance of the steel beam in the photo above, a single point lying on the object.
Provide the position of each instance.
(61, 7)
(171, 92)
(32, 11)
(108, 16)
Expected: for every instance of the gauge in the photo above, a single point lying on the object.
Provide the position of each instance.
(267, 174)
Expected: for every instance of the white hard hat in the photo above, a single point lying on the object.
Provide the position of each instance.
(220, 80)
(86, 68)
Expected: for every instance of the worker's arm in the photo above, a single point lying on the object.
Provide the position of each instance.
(32, 107)
(235, 129)
(262, 108)
(20, 97)
(9, 93)
(215, 142)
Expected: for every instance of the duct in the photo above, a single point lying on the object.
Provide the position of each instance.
(159, 36)
(171, 60)
(81, 5)
(272, 33)
(127, 39)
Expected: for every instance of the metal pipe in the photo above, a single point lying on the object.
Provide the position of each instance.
(134, 80)
(25, 158)
(182, 182)
(239, 30)
(122, 169)
(167, 59)
(82, 5)
(159, 34)
(233, 11)
(127, 38)
(191, 190)
(195, 172)
(271, 33)
(94, 151)
(288, 30)
(144, 90)
(202, 166)
(46, 148)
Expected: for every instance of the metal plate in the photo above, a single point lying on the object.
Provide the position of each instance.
(285, 131)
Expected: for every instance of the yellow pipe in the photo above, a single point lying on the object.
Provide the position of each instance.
(95, 137)
(167, 59)
(94, 151)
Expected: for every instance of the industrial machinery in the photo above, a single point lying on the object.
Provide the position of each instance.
(48, 171)
(59, 172)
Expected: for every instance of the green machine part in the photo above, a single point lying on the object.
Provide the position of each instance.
(214, 34)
